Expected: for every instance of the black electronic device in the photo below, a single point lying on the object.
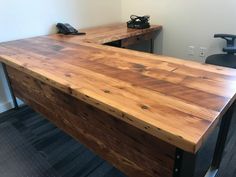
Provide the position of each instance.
(139, 22)
(67, 29)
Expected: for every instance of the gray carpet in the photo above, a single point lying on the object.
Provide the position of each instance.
(20, 159)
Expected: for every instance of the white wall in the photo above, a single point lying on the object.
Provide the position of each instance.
(186, 22)
(27, 18)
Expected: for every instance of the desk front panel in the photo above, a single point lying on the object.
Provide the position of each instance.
(137, 39)
(131, 150)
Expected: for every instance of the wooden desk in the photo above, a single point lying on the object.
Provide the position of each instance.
(117, 35)
(148, 115)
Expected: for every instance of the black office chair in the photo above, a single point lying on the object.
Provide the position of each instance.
(226, 60)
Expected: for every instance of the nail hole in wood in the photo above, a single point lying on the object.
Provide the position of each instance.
(144, 107)
(107, 91)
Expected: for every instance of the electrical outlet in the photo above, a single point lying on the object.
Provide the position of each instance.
(202, 52)
(191, 50)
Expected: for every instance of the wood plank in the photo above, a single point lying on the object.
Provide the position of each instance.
(144, 57)
(133, 151)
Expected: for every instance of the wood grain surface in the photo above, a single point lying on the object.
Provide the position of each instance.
(108, 33)
(175, 100)
(135, 152)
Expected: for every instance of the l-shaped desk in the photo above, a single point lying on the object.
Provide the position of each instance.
(117, 35)
(146, 114)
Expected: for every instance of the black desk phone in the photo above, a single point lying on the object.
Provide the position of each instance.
(67, 29)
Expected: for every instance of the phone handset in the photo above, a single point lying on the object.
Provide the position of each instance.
(67, 29)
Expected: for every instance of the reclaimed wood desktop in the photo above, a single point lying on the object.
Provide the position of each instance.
(148, 115)
(117, 35)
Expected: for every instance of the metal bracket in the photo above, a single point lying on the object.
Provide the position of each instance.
(178, 162)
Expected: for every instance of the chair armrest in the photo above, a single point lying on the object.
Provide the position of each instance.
(224, 36)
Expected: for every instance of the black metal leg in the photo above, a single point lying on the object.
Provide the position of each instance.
(151, 46)
(223, 133)
(221, 141)
(210, 154)
(178, 162)
(16, 106)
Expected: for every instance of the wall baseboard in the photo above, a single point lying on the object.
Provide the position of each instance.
(6, 106)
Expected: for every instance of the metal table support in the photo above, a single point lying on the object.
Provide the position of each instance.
(221, 142)
(187, 165)
(152, 45)
(14, 100)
